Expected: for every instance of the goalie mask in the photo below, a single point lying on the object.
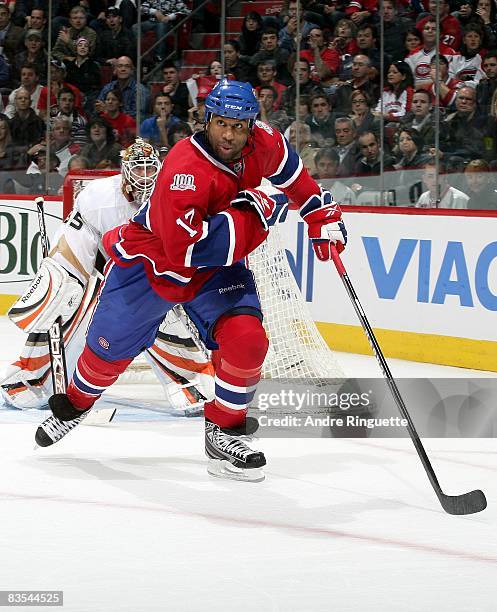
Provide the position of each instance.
(140, 166)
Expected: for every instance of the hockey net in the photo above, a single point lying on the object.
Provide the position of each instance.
(296, 348)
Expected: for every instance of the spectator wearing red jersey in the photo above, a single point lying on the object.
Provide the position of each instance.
(344, 40)
(447, 86)
(451, 32)
(58, 74)
(124, 125)
(266, 75)
(200, 85)
(324, 62)
(360, 10)
(344, 43)
(397, 95)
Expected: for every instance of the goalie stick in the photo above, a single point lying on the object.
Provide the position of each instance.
(467, 503)
(56, 338)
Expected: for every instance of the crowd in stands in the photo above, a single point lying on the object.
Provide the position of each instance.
(430, 126)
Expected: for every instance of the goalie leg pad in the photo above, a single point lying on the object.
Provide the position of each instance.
(51, 294)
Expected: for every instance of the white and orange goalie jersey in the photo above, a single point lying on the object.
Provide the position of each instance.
(177, 357)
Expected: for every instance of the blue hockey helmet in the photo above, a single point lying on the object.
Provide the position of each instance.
(232, 99)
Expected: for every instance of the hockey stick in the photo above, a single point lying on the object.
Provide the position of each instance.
(56, 338)
(467, 503)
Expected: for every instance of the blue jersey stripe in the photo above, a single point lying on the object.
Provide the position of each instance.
(289, 168)
(215, 248)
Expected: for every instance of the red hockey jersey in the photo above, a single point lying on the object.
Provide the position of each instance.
(188, 229)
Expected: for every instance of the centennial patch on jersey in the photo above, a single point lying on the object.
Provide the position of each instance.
(183, 182)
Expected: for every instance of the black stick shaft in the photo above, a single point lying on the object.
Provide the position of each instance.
(55, 335)
(452, 505)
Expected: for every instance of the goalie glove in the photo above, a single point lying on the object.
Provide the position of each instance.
(325, 226)
(270, 208)
(51, 294)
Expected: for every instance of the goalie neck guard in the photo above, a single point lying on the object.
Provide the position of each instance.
(140, 166)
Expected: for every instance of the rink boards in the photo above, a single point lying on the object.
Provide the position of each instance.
(427, 279)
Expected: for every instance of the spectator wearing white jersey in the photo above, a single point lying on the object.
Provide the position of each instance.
(467, 66)
(419, 59)
(397, 96)
(439, 193)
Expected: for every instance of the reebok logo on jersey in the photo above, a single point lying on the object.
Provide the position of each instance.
(183, 182)
(231, 288)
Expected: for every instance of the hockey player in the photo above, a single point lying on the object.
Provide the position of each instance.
(187, 244)
(72, 269)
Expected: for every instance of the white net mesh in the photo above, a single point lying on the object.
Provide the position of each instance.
(296, 348)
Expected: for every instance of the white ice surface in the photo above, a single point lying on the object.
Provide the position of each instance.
(125, 518)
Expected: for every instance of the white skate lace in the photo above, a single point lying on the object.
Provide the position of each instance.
(57, 429)
(233, 446)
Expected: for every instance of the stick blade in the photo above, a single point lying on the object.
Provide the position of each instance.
(468, 503)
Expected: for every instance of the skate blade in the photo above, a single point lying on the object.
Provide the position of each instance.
(221, 468)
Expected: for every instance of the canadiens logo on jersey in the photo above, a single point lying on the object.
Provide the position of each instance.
(104, 343)
(183, 182)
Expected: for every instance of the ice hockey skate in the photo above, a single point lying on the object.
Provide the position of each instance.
(64, 418)
(229, 456)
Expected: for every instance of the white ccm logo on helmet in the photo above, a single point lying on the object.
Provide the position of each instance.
(182, 182)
